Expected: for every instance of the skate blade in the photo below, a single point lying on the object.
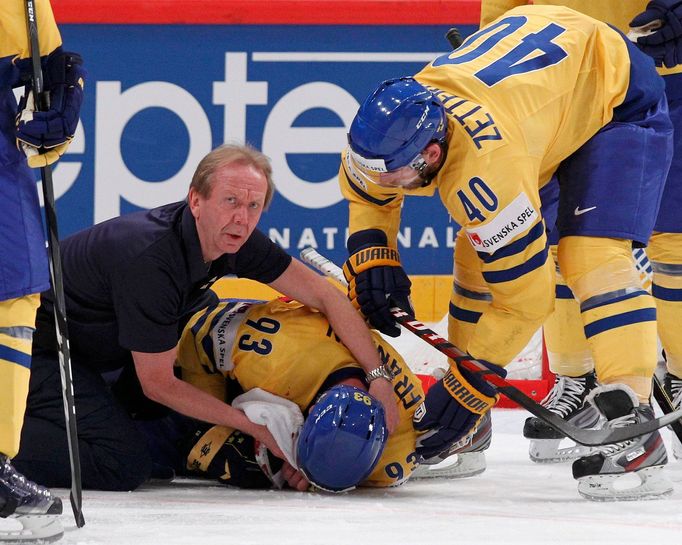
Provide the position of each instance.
(548, 451)
(646, 484)
(677, 448)
(458, 466)
(34, 529)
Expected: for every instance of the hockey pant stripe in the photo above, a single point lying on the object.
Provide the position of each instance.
(666, 294)
(535, 262)
(620, 320)
(516, 247)
(464, 315)
(15, 356)
(563, 292)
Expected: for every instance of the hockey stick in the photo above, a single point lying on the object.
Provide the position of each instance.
(666, 405)
(454, 38)
(587, 437)
(41, 101)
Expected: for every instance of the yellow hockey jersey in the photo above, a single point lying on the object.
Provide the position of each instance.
(14, 32)
(619, 13)
(290, 350)
(520, 96)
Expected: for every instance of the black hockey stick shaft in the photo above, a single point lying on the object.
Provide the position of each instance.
(454, 38)
(56, 277)
(666, 405)
(587, 437)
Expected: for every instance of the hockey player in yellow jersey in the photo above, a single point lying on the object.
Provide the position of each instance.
(290, 351)
(541, 91)
(28, 139)
(569, 353)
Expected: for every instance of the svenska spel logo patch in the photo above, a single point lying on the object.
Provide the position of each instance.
(514, 219)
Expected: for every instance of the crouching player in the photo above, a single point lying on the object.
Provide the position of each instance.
(290, 350)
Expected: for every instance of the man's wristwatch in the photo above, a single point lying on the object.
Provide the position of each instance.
(380, 372)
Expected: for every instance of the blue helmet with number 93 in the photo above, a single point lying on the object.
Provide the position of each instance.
(342, 439)
(394, 125)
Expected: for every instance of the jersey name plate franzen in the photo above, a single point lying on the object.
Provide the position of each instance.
(224, 333)
(515, 218)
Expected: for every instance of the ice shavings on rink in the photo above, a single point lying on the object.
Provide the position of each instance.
(514, 501)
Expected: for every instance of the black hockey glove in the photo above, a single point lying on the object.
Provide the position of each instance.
(44, 136)
(232, 457)
(376, 279)
(452, 408)
(664, 45)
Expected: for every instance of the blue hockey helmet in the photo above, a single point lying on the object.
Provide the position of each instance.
(394, 125)
(342, 439)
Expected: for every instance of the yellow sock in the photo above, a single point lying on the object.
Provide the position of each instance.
(17, 322)
(618, 315)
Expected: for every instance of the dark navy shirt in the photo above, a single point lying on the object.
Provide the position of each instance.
(130, 280)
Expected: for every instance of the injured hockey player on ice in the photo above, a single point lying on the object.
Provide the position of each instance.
(281, 363)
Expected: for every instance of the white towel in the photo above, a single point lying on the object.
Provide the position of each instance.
(282, 417)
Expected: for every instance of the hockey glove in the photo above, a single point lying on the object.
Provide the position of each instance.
(664, 45)
(376, 280)
(44, 136)
(232, 457)
(452, 407)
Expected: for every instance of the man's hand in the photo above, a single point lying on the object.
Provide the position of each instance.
(376, 279)
(452, 407)
(45, 135)
(262, 435)
(382, 390)
(294, 478)
(664, 44)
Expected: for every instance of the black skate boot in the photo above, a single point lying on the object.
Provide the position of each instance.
(608, 474)
(566, 399)
(465, 458)
(31, 505)
(673, 387)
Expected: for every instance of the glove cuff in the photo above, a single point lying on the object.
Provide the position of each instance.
(365, 238)
(466, 394)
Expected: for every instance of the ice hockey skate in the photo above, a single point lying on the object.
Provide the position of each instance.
(28, 504)
(566, 399)
(630, 470)
(465, 458)
(673, 387)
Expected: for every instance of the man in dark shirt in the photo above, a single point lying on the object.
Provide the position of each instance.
(129, 282)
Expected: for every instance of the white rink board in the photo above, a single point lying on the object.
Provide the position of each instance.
(514, 501)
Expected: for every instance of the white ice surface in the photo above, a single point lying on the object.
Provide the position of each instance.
(513, 501)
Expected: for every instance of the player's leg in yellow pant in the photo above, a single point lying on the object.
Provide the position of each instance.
(567, 348)
(17, 323)
(665, 254)
(618, 315)
(570, 359)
